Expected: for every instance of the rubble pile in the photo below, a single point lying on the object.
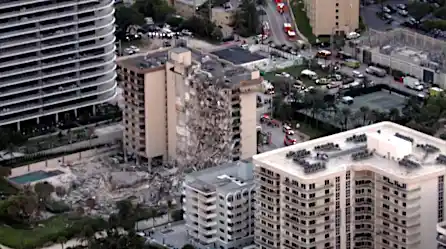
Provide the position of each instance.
(108, 183)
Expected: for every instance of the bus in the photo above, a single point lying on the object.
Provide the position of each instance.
(324, 54)
(376, 71)
(352, 63)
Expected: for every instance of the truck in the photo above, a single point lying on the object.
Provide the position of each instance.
(376, 71)
(352, 63)
(412, 83)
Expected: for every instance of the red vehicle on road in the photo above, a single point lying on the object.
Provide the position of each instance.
(281, 8)
(266, 119)
(287, 141)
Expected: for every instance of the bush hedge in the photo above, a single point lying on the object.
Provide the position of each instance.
(48, 231)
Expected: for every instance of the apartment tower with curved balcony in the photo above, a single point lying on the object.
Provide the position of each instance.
(376, 187)
(56, 56)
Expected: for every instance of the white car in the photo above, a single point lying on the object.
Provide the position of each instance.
(357, 74)
(287, 129)
(134, 48)
(403, 12)
(352, 36)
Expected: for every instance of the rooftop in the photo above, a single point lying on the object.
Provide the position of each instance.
(384, 147)
(223, 179)
(220, 69)
(238, 55)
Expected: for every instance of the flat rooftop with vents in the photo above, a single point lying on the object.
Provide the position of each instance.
(238, 55)
(384, 147)
(211, 64)
(222, 179)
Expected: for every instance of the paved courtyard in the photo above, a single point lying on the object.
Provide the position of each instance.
(174, 237)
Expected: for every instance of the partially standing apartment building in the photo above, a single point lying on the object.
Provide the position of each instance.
(379, 186)
(190, 107)
(55, 56)
(218, 206)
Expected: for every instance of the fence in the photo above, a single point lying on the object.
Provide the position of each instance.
(63, 159)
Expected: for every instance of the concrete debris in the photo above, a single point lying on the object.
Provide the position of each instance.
(106, 183)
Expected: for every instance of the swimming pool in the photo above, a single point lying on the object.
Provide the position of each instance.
(35, 176)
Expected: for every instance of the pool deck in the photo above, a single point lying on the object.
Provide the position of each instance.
(54, 180)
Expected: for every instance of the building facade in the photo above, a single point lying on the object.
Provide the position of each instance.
(189, 107)
(218, 206)
(55, 56)
(327, 18)
(380, 186)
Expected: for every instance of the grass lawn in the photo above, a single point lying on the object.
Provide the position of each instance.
(49, 231)
(302, 22)
(295, 71)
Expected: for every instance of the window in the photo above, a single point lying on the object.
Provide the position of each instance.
(337, 4)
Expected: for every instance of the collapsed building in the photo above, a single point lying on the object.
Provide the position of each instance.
(188, 107)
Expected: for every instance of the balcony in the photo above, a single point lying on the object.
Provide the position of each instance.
(36, 105)
(33, 18)
(27, 11)
(99, 100)
(33, 47)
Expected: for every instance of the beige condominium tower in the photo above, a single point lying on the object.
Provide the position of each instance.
(379, 186)
(329, 17)
(189, 107)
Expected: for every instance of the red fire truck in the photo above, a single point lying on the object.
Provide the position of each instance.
(281, 8)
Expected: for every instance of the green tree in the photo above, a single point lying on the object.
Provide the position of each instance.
(159, 10)
(365, 113)
(345, 116)
(246, 19)
(419, 10)
(43, 190)
(126, 16)
(5, 171)
(61, 240)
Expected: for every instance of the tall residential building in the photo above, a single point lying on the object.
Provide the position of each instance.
(218, 206)
(331, 17)
(190, 107)
(55, 56)
(379, 186)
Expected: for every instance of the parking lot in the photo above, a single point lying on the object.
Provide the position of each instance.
(373, 21)
(381, 100)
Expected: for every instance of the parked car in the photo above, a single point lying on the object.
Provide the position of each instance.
(403, 12)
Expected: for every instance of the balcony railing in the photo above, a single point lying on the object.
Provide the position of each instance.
(100, 99)
(55, 15)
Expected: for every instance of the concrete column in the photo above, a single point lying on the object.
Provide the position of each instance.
(57, 117)
(18, 126)
(75, 113)
(94, 110)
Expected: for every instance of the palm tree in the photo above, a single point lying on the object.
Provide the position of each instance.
(345, 115)
(61, 240)
(394, 114)
(169, 209)
(153, 214)
(365, 111)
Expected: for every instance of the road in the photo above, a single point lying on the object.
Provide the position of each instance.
(276, 21)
